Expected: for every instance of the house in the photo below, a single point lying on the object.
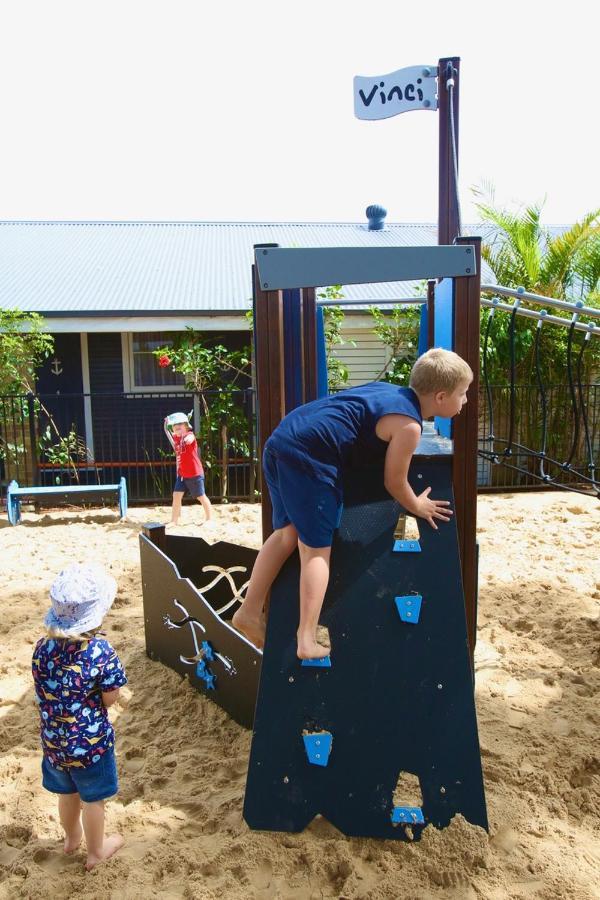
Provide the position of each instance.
(112, 292)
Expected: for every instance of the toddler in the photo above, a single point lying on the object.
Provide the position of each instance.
(77, 676)
(189, 470)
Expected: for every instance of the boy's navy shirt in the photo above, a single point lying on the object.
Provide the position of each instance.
(69, 678)
(324, 436)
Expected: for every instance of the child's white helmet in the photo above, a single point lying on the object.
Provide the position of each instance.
(178, 418)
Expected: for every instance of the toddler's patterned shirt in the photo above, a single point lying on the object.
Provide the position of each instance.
(69, 678)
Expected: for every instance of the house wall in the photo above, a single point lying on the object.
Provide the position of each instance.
(364, 354)
(105, 363)
(59, 386)
(116, 423)
(61, 372)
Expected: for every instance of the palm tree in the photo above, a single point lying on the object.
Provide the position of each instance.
(523, 253)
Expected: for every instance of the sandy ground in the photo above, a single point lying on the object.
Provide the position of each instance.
(183, 762)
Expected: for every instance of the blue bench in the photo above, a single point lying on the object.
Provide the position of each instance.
(15, 495)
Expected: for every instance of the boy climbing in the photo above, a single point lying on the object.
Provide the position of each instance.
(303, 462)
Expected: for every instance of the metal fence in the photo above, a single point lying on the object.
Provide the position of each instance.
(98, 438)
(565, 436)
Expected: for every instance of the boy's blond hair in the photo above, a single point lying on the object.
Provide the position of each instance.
(439, 370)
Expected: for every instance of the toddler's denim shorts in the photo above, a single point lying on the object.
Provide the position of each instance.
(311, 506)
(93, 783)
(194, 485)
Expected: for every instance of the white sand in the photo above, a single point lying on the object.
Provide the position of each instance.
(183, 762)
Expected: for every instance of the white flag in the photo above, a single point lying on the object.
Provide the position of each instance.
(383, 96)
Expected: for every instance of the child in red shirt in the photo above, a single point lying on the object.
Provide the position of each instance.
(190, 473)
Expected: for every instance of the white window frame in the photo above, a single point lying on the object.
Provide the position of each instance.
(129, 386)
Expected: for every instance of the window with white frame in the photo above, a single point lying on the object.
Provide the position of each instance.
(144, 370)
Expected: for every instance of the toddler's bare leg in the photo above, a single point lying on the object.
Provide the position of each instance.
(314, 577)
(69, 811)
(176, 510)
(206, 506)
(99, 847)
(249, 619)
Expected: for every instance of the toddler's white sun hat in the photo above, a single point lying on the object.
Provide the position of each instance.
(81, 596)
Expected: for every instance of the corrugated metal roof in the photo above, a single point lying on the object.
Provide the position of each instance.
(145, 268)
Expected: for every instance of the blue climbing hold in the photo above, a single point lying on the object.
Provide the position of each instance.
(207, 650)
(409, 608)
(203, 672)
(200, 668)
(210, 681)
(318, 747)
(407, 815)
(324, 662)
(407, 547)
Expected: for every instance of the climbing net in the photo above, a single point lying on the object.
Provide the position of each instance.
(576, 470)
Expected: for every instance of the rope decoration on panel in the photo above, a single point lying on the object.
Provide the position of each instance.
(509, 451)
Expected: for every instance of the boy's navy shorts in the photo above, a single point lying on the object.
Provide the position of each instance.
(96, 782)
(311, 506)
(194, 485)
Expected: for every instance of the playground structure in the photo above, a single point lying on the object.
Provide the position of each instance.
(399, 681)
(385, 608)
(394, 702)
(288, 373)
(48, 496)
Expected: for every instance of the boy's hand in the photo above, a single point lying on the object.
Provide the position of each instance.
(432, 509)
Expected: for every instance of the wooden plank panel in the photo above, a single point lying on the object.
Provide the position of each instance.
(448, 226)
(309, 342)
(268, 327)
(465, 434)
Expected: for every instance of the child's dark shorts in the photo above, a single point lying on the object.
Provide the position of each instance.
(194, 485)
(311, 506)
(96, 782)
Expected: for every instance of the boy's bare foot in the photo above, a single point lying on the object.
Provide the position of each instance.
(252, 628)
(72, 841)
(112, 843)
(309, 648)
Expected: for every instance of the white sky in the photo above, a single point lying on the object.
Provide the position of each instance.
(238, 111)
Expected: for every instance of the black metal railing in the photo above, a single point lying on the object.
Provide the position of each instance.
(538, 422)
(98, 438)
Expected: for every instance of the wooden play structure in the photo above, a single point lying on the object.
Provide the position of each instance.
(382, 739)
(395, 701)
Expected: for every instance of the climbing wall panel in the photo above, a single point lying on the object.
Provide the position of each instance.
(398, 695)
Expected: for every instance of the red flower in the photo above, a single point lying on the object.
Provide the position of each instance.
(164, 361)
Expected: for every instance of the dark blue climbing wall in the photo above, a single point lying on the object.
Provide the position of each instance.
(398, 696)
